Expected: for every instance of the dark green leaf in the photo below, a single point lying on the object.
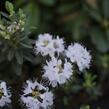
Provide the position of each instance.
(105, 8)
(33, 13)
(10, 54)
(19, 57)
(99, 39)
(77, 27)
(94, 13)
(26, 45)
(65, 8)
(17, 68)
(48, 2)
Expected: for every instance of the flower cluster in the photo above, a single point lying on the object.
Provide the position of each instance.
(59, 66)
(46, 45)
(58, 70)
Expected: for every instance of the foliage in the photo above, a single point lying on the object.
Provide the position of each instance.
(16, 43)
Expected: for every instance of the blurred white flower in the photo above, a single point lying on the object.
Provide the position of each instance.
(36, 96)
(46, 45)
(4, 94)
(77, 53)
(57, 71)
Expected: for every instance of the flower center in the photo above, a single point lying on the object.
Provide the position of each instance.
(35, 94)
(45, 43)
(1, 93)
(60, 67)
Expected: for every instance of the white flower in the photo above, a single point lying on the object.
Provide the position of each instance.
(46, 45)
(57, 71)
(4, 95)
(77, 53)
(36, 96)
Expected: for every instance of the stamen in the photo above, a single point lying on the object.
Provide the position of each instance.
(35, 94)
(59, 66)
(1, 93)
(45, 43)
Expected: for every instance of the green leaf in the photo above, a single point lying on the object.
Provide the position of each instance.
(89, 80)
(19, 57)
(10, 54)
(0, 18)
(9, 7)
(105, 8)
(33, 13)
(29, 57)
(99, 39)
(65, 101)
(17, 68)
(94, 13)
(21, 14)
(19, 3)
(48, 2)
(77, 27)
(76, 88)
(26, 45)
(107, 33)
(66, 8)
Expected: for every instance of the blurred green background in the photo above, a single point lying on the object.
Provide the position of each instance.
(84, 21)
